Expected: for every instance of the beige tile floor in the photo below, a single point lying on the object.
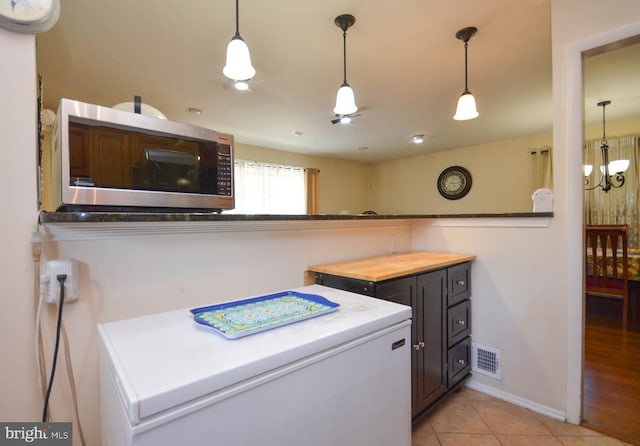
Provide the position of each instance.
(472, 418)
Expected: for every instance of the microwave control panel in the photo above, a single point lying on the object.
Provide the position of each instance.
(225, 170)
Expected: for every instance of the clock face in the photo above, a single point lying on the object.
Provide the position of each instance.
(25, 10)
(29, 16)
(454, 182)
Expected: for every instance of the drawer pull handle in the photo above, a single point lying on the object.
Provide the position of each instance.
(461, 361)
(460, 322)
(416, 346)
(421, 344)
(460, 282)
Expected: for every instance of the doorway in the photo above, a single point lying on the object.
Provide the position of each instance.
(611, 376)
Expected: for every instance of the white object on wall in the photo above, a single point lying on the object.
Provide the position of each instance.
(542, 200)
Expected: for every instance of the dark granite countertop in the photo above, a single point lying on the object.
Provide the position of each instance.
(132, 217)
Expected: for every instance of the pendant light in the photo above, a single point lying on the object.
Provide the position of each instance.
(618, 167)
(345, 99)
(467, 103)
(238, 67)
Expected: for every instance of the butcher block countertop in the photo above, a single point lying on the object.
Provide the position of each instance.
(376, 269)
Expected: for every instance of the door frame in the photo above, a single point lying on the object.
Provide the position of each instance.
(572, 84)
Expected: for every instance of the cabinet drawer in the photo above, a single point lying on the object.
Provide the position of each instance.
(459, 361)
(459, 283)
(458, 322)
(347, 284)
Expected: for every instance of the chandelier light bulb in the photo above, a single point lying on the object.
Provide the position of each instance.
(588, 168)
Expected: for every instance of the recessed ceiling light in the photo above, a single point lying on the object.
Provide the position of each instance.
(417, 139)
(194, 110)
(295, 133)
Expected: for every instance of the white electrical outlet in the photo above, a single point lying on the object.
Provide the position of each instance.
(68, 268)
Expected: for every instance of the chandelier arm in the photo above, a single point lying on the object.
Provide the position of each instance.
(586, 181)
(619, 178)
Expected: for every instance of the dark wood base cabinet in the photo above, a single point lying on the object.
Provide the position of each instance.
(441, 326)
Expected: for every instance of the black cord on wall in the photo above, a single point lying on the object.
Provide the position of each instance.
(61, 279)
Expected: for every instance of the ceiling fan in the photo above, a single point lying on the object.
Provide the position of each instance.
(344, 119)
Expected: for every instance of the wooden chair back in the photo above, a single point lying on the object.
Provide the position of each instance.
(607, 272)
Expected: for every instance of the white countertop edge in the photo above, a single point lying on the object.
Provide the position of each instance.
(482, 222)
(113, 230)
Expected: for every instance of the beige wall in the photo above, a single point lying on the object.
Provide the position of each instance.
(615, 129)
(503, 179)
(18, 394)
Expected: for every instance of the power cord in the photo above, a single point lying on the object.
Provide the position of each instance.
(61, 278)
(36, 251)
(74, 393)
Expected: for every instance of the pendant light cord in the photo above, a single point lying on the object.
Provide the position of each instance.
(344, 54)
(466, 44)
(237, 19)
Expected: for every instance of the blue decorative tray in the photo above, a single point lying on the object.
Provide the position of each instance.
(245, 317)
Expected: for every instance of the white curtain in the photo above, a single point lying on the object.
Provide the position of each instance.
(263, 188)
(619, 205)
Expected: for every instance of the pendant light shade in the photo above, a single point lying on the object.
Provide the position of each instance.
(466, 107)
(345, 99)
(467, 103)
(238, 66)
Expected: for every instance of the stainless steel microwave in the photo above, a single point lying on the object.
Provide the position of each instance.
(103, 158)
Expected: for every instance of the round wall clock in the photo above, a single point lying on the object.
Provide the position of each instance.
(29, 16)
(454, 182)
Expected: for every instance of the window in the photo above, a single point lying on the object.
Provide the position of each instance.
(263, 188)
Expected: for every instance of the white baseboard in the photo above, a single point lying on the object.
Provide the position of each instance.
(518, 401)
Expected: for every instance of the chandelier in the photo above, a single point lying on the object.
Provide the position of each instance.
(612, 173)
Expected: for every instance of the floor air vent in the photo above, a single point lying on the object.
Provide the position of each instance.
(486, 361)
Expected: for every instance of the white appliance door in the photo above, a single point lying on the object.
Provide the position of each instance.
(356, 394)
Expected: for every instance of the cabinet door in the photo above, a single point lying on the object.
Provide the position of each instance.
(110, 159)
(403, 291)
(431, 311)
(79, 151)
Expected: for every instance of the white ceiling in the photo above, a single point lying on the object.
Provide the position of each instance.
(403, 61)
